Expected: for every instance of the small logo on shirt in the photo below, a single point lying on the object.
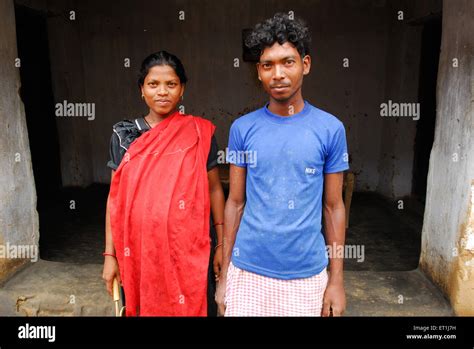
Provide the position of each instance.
(310, 171)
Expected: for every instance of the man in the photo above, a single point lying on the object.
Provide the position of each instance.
(283, 156)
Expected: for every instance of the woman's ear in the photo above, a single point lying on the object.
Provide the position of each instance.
(183, 86)
(142, 91)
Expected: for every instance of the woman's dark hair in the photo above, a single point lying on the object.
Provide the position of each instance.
(279, 29)
(162, 58)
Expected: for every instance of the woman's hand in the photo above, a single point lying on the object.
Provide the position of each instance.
(217, 198)
(111, 271)
(217, 263)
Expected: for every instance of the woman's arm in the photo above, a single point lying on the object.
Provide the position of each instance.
(111, 269)
(217, 207)
(109, 243)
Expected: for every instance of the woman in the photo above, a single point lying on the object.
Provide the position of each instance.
(164, 182)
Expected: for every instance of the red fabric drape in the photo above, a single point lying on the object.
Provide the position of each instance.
(159, 213)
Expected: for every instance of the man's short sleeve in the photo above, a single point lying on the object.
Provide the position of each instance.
(236, 151)
(337, 158)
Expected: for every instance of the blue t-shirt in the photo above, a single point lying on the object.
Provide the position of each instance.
(286, 159)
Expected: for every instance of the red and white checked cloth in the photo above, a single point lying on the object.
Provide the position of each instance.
(250, 294)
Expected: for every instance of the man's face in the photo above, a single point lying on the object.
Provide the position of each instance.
(281, 70)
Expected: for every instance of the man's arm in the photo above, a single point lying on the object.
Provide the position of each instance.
(335, 231)
(234, 209)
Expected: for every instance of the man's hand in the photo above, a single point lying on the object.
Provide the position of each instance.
(334, 302)
(234, 209)
(220, 295)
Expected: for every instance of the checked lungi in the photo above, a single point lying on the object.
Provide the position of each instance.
(250, 294)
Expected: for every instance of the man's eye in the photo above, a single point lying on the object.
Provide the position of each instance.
(290, 62)
(266, 66)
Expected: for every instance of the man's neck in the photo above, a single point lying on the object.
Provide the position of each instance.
(287, 108)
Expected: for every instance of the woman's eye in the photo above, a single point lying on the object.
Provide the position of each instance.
(152, 84)
(172, 84)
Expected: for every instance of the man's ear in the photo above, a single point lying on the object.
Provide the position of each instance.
(306, 64)
(258, 66)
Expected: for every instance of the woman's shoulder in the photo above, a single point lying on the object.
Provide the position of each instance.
(202, 121)
(205, 125)
(126, 131)
(124, 125)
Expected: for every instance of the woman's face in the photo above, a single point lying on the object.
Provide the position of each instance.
(162, 89)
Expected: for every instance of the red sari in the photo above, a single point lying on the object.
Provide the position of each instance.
(159, 213)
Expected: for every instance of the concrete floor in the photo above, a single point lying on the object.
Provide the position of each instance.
(66, 289)
(391, 237)
(56, 289)
(386, 283)
(78, 235)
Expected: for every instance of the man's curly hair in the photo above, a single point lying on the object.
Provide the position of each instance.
(279, 29)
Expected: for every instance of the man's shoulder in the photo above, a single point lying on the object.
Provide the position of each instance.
(325, 118)
(247, 120)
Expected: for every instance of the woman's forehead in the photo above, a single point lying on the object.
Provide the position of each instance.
(161, 72)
